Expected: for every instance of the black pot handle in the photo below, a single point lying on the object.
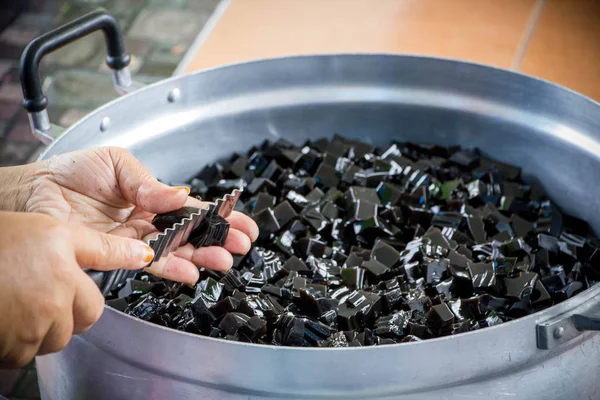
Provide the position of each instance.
(34, 100)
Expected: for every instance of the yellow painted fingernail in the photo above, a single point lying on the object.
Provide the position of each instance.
(149, 254)
(187, 189)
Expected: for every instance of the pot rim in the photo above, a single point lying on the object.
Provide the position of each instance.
(316, 56)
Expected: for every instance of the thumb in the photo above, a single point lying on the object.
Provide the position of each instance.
(139, 187)
(104, 252)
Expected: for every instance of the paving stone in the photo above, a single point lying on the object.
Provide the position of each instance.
(163, 59)
(10, 51)
(8, 109)
(125, 12)
(196, 5)
(157, 24)
(152, 69)
(54, 113)
(3, 126)
(8, 380)
(5, 66)
(40, 20)
(71, 116)
(12, 75)
(21, 133)
(21, 117)
(167, 54)
(44, 6)
(16, 153)
(11, 92)
(19, 36)
(207, 6)
(172, 3)
(71, 9)
(83, 89)
(71, 88)
(138, 47)
(89, 50)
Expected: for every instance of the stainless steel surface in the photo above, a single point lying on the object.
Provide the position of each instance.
(40, 126)
(589, 321)
(172, 238)
(122, 80)
(547, 130)
(567, 326)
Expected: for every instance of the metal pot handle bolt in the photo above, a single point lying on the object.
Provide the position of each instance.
(569, 325)
(34, 100)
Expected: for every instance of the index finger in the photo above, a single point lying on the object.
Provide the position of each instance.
(105, 252)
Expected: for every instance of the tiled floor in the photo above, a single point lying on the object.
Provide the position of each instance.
(77, 81)
(479, 30)
(557, 40)
(565, 46)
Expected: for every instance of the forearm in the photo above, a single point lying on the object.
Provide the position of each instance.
(16, 185)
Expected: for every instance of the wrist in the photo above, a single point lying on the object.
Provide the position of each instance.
(16, 186)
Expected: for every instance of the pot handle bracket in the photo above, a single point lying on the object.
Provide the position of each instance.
(34, 100)
(567, 326)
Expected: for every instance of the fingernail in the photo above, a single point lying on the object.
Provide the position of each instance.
(187, 189)
(148, 254)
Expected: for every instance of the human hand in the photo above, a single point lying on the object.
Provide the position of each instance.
(45, 295)
(109, 190)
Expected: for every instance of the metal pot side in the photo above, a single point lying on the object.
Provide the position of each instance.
(178, 125)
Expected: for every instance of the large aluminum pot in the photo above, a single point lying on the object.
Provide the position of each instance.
(178, 125)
